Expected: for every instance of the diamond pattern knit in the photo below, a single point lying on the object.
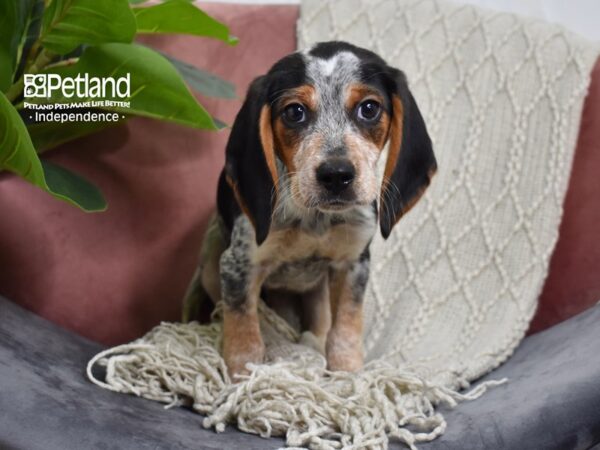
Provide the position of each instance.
(457, 282)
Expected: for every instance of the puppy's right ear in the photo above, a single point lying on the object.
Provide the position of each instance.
(250, 159)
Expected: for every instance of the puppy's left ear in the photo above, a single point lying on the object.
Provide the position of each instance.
(410, 163)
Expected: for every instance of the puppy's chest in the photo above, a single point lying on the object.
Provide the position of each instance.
(297, 259)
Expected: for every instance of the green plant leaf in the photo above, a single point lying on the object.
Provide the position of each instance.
(18, 155)
(47, 135)
(204, 82)
(14, 21)
(157, 89)
(180, 16)
(73, 188)
(69, 23)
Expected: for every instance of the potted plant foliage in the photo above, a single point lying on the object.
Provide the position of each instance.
(67, 39)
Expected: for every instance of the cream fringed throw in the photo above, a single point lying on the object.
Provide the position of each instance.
(453, 289)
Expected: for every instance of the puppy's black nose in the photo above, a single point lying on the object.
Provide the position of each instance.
(336, 175)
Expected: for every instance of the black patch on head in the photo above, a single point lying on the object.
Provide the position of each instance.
(326, 50)
(373, 69)
(375, 74)
(287, 73)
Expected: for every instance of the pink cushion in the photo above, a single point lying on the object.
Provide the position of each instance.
(573, 283)
(112, 276)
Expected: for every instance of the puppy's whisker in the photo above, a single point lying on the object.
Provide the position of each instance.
(389, 192)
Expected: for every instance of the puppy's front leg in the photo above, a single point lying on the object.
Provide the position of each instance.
(345, 339)
(240, 289)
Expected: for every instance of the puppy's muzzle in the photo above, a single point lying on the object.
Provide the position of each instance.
(336, 175)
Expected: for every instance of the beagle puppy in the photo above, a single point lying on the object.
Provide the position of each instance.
(300, 196)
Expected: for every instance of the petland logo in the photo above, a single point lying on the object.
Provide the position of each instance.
(52, 98)
(82, 86)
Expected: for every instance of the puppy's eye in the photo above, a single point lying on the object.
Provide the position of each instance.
(369, 110)
(294, 113)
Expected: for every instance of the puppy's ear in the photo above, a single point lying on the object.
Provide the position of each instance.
(250, 159)
(411, 162)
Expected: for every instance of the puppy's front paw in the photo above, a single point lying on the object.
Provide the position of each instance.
(242, 341)
(344, 351)
(241, 352)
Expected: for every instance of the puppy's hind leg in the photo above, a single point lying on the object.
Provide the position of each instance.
(205, 285)
(195, 296)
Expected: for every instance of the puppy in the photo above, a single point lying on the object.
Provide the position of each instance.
(299, 198)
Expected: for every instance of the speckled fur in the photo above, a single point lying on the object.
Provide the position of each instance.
(308, 247)
(332, 133)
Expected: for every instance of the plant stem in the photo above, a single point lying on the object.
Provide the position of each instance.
(63, 63)
(15, 90)
(40, 62)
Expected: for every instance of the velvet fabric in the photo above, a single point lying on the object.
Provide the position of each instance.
(550, 402)
(112, 276)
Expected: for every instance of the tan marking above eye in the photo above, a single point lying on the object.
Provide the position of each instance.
(305, 95)
(357, 93)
